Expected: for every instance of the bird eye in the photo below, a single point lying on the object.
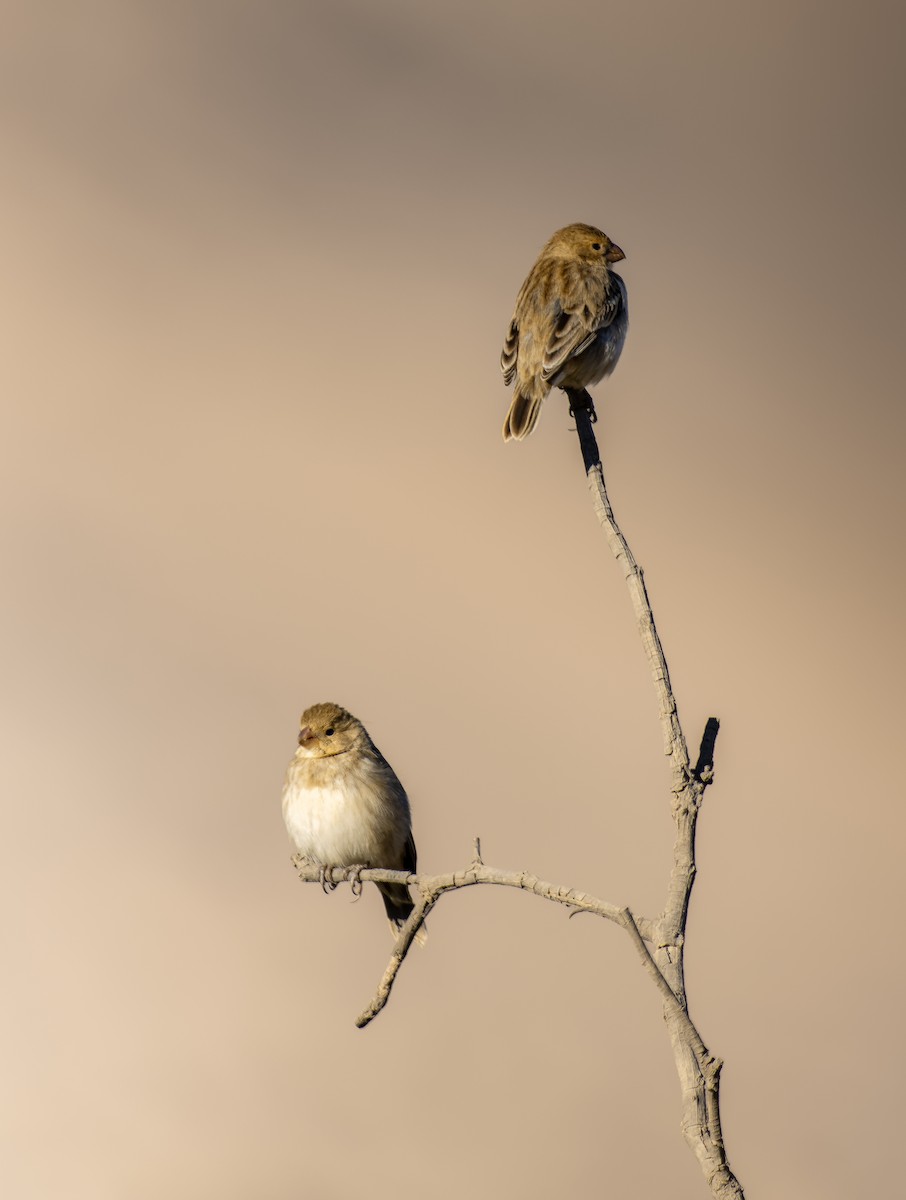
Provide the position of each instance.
(328, 733)
(596, 245)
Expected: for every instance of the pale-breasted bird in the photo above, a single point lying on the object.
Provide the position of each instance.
(344, 806)
(569, 324)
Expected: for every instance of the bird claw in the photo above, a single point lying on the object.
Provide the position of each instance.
(355, 879)
(327, 884)
(354, 876)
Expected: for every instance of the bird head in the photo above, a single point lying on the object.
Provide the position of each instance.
(585, 242)
(327, 729)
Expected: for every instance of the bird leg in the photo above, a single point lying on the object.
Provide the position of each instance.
(579, 399)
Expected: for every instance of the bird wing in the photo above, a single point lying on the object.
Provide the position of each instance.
(509, 352)
(409, 855)
(588, 304)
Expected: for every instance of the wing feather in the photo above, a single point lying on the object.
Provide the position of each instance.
(510, 352)
(590, 304)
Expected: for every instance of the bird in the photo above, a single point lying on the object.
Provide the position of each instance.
(345, 807)
(569, 324)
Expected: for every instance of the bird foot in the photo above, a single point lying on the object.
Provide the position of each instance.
(327, 884)
(582, 402)
(355, 878)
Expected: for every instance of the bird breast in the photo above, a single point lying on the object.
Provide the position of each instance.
(344, 813)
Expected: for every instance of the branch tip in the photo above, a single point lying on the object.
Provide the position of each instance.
(704, 768)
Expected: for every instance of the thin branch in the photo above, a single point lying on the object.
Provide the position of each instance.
(401, 948)
(701, 1071)
(674, 741)
(698, 1070)
(478, 873)
(704, 767)
(430, 888)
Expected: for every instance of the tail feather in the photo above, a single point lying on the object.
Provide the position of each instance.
(522, 417)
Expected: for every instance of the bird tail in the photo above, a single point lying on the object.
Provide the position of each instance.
(398, 904)
(522, 417)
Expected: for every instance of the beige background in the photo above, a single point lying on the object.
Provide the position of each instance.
(258, 262)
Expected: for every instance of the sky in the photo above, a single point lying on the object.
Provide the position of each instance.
(259, 264)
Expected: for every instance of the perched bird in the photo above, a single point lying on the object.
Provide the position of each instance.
(344, 806)
(569, 324)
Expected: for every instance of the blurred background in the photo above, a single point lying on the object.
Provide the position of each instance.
(259, 262)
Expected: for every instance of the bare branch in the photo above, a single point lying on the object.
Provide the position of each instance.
(674, 741)
(401, 948)
(704, 767)
(435, 886)
(698, 1070)
(430, 888)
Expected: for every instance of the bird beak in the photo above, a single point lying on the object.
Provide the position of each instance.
(614, 254)
(305, 735)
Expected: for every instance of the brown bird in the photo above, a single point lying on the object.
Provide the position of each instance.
(344, 806)
(569, 324)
